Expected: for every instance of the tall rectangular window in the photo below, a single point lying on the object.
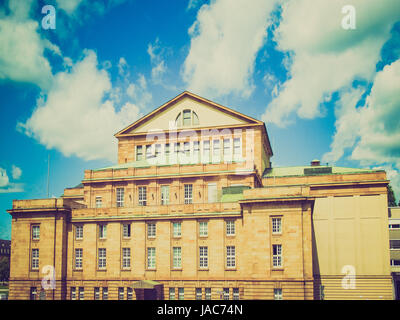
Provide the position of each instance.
(73, 293)
(203, 228)
(164, 195)
(158, 151)
(186, 150)
(139, 153)
(33, 293)
(203, 257)
(278, 294)
(105, 293)
(102, 231)
(176, 151)
(226, 293)
(177, 229)
(227, 150)
(142, 192)
(196, 151)
(177, 257)
(394, 244)
(199, 294)
(230, 257)
(102, 258)
(120, 197)
(187, 117)
(151, 258)
(35, 232)
(99, 202)
(171, 293)
(276, 225)
(277, 255)
(216, 151)
(126, 230)
(81, 293)
(129, 293)
(188, 193)
(181, 293)
(149, 151)
(151, 230)
(126, 258)
(35, 259)
(206, 151)
(78, 258)
(120, 293)
(235, 293)
(97, 293)
(207, 293)
(79, 232)
(166, 151)
(230, 227)
(237, 149)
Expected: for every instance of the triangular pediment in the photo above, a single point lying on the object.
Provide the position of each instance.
(208, 114)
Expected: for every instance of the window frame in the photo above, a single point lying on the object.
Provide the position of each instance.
(277, 260)
(230, 257)
(35, 259)
(142, 196)
(188, 193)
(230, 227)
(176, 257)
(78, 259)
(151, 230)
(126, 258)
(35, 232)
(120, 197)
(102, 259)
(276, 225)
(151, 258)
(203, 257)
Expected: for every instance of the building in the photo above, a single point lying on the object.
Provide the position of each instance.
(5, 248)
(394, 238)
(194, 210)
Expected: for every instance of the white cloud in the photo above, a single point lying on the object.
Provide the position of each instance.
(22, 48)
(6, 186)
(225, 40)
(159, 67)
(325, 57)
(16, 172)
(69, 6)
(74, 116)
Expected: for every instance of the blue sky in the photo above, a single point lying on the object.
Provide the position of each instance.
(325, 91)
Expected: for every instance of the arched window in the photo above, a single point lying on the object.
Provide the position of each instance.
(187, 118)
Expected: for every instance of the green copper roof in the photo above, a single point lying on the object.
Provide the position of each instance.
(308, 170)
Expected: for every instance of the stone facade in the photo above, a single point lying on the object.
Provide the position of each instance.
(221, 225)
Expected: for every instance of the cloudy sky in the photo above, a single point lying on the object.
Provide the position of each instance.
(325, 77)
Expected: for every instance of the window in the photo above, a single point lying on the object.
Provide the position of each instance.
(79, 232)
(196, 151)
(164, 195)
(176, 150)
(129, 293)
(120, 197)
(203, 228)
(394, 226)
(102, 231)
(206, 151)
(35, 259)
(151, 230)
(236, 148)
(149, 151)
(199, 294)
(394, 244)
(126, 258)
(81, 293)
(394, 262)
(207, 293)
(139, 153)
(235, 293)
(151, 258)
(96, 293)
(33, 294)
(203, 257)
(177, 257)
(276, 255)
(158, 151)
(212, 192)
(35, 232)
(78, 258)
(227, 150)
(177, 226)
(181, 293)
(171, 293)
(73, 293)
(226, 293)
(230, 227)
(276, 225)
(216, 151)
(186, 150)
(120, 293)
(126, 230)
(166, 150)
(102, 263)
(230, 257)
(278, 294)
(105, 293)
(188, 193)
(99, 203)
(187, 118)
(142, 191)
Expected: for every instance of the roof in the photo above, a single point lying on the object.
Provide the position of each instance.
(312, 170)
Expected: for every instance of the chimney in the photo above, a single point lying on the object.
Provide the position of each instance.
(315, 163)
